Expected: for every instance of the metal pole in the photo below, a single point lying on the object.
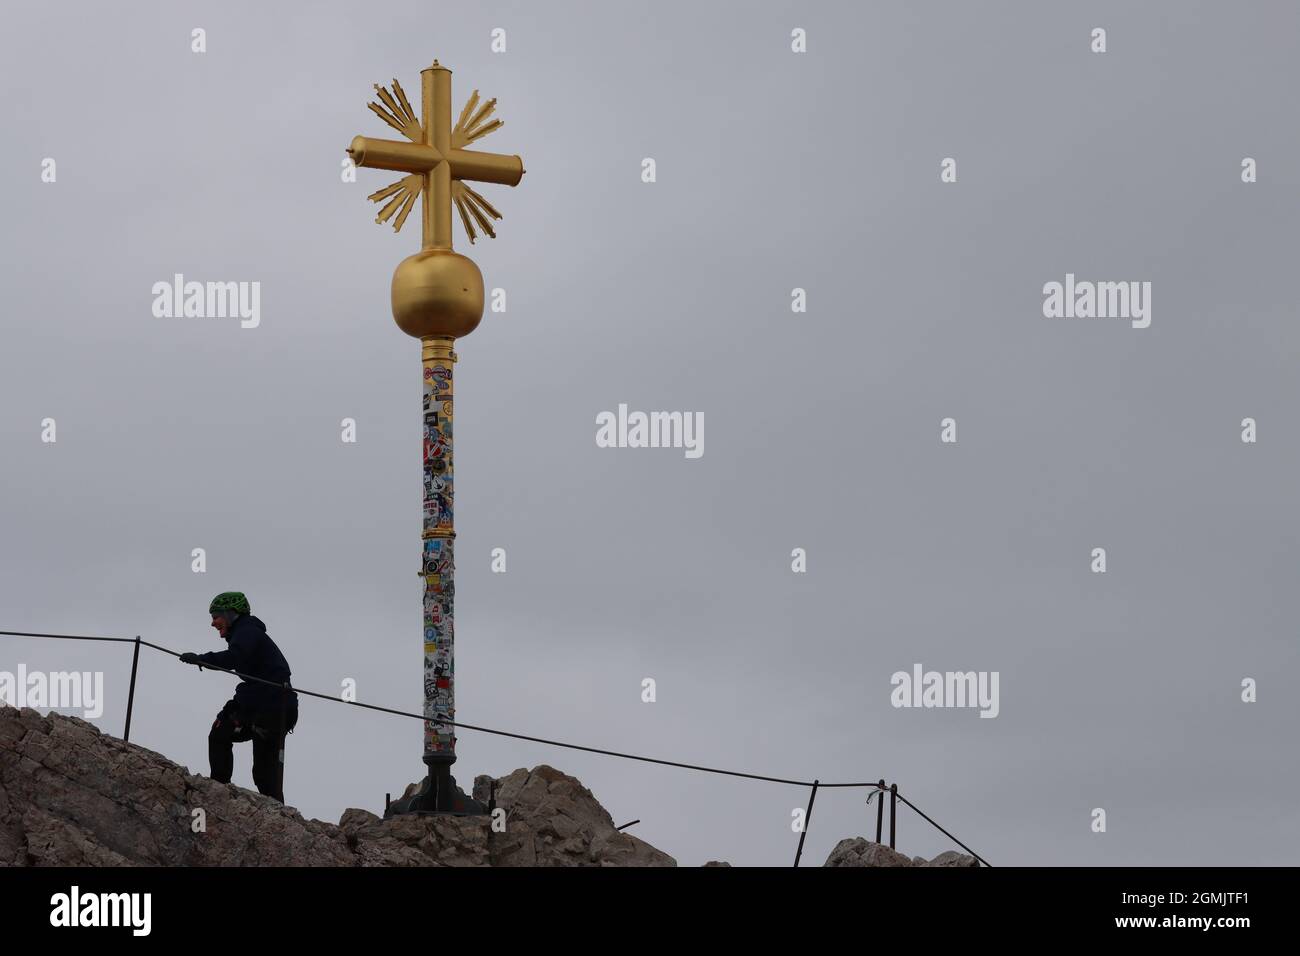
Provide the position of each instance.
(284, 723)
(439, 566)
(893, 811)
(130, 697)
(880, 810)
(807, 819)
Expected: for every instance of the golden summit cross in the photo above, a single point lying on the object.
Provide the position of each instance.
(436, 159)
(437, 297)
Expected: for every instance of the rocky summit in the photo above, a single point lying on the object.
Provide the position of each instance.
(73, 796)
(860, 852)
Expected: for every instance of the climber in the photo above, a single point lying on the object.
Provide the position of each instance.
(259, 712)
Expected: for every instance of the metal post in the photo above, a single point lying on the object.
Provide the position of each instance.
(880, 810)
(130, 696)
(284, 733)
(439, 567)
(807, 819)
(893, 811)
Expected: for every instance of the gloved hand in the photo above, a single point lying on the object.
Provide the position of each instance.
(191, 658)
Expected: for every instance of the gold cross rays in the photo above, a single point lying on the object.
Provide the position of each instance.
(436, 159)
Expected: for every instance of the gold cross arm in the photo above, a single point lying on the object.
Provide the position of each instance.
(437, 164)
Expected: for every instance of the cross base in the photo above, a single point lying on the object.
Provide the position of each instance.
(438, 796)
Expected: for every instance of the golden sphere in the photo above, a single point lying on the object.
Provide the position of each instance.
(437, 292)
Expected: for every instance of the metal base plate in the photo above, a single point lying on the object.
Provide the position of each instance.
(438, 796)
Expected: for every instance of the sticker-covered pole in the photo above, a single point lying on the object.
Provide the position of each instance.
(439, 557)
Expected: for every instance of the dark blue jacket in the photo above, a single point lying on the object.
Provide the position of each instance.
(253, 653)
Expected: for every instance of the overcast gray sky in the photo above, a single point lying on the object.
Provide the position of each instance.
(775, 170)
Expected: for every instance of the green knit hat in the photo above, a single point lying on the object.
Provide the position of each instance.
(229, 601)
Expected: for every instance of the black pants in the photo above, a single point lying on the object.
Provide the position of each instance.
(234, 726)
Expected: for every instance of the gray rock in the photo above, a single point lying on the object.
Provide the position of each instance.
(952, 858)
(858, 851)
(73, 796)
(553, 820)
